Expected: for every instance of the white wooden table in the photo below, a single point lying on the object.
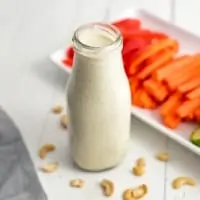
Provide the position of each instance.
(30, 85)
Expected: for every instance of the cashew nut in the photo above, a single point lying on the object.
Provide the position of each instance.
(77, 183)
(49, 168)
(180, 181)
(135, 193)
(162, 156)
(63, 121)
(141, 162)
(107, 187)
(138, 170)
(46, 149)
(128, 195)
(57, 109)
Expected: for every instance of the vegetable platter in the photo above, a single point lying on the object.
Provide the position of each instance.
(162, 63)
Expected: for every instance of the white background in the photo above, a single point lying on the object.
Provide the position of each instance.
(30, 85)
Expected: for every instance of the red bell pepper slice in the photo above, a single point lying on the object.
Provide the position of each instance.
(145, 34)
(70, 52)
(133, 44)
(128, 58)
(68, 62)
(128, 23)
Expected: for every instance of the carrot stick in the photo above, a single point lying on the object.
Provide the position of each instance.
(169, 68)
(190, 117)
(184, 75)
(197, 114)
(190, 85)
(150, 51)
(156, 89)
(153, 58)
(188, 107)
(172, 121)
(194, 94)
(163, 59)
(147, 101)
(172, 103)
(134, 84)
(136, 100)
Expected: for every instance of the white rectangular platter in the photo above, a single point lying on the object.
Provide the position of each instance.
(189, 43)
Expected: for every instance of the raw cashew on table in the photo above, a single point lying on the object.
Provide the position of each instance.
(63, 121)
(180, 181)
(162, 157)
(46, 149)
(135, 193)
(57, 109)
(107, 187)
(49, 168)
(139, 169)
(77, 183)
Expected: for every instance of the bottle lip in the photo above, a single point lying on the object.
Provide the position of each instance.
(110, 29)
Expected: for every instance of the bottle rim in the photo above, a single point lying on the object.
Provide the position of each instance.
(109, 29)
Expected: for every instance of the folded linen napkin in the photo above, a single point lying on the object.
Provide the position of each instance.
(18, 179)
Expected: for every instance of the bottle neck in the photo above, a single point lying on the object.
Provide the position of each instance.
(97, 40)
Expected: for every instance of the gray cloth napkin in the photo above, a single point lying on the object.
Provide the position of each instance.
(18, 179)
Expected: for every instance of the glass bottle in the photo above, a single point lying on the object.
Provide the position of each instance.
(98, 99)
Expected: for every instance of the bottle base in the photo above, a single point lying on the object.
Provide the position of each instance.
(96, 169)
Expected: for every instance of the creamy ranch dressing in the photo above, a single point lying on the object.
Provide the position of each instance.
(95, 38)
(99, 103)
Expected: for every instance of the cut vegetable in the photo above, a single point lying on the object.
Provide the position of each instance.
(134, 84)
(172, 103)
(172, 121)
(190, 85)
(156, 89)
(195, 137)
(133, 45)
(70, 52)
(194, 94)
(190, 117)
(169, 68)
(184, 75)
(150, 51)
(68, 62)
(136, 100)
(153, 58)
(145, 34)
(127, 24)
(164, 58)
(197, 115)
(146, 100)
(188, 107)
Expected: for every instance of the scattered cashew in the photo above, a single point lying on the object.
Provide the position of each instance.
(138, 170)
(162, 156)
(107, 187)
(135, 193)
(140, 191)
(77, 183)
(128, 195)
(141, 162)
(49, 168)
(63, 121)
(180, 181)
(45, 149)
(57, 109)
